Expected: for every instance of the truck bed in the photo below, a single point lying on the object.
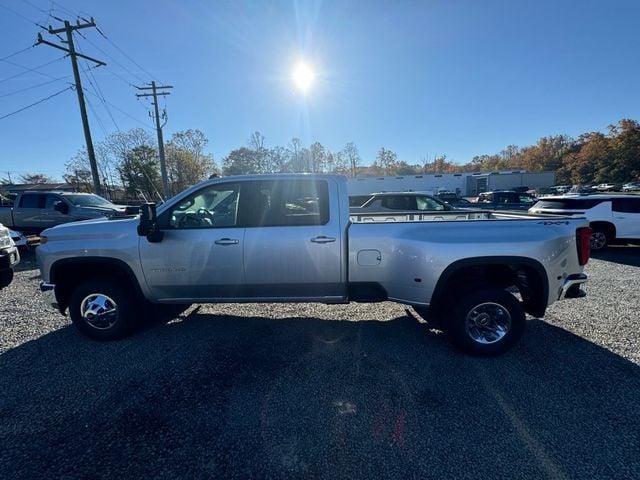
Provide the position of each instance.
(454, 215)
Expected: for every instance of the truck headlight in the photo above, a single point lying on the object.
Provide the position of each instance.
(5, 238)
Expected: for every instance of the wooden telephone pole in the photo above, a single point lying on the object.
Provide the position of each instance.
(163, 165)
(69, 29)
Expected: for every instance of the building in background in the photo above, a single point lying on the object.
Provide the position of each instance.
(464, 184)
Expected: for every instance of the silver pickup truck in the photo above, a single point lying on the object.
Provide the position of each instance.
(290, 238)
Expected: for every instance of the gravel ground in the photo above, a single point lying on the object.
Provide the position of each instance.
(312, 391)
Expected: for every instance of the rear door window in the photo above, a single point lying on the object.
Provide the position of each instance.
(275, 203)
(32, 201)
(627, 205)
(399, 202)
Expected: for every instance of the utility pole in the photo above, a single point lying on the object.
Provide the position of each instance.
(163, 165)
(69, 29)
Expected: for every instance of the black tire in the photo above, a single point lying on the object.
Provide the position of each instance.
(6, 276)
(486, 322)
(600, 239)
(96, 298)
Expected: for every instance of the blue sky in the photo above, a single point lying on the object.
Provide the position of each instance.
(418, 77)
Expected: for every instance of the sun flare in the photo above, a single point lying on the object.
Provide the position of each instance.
(303, 76)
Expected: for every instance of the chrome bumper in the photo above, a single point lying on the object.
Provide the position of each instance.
(49, 294)
(571, 286)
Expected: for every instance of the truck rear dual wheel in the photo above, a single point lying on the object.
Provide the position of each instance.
(485, 322)
(104, 310)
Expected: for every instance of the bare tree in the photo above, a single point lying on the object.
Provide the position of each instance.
(36, 178)
(187, 164)
(350, 156)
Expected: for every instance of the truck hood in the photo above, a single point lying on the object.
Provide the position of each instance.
(101, 227)
(102, 209)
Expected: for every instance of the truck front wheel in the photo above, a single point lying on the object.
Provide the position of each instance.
(486, 322)
(103, 310)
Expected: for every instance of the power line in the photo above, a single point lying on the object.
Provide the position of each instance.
(36, 103)
(24, 17)
(124, 53)
(33, 86)
(96, 88)
(95, 115)
(64, 10)
(120, 110)
(38, 8)
(114, 61)
(34, 69)
(17, 53)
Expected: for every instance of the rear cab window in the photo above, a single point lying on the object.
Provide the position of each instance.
(32, 201)
(569, 203)
(626, 205)
(276, 203)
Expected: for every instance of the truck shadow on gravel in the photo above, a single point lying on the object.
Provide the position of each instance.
(216, 396)
(27, 262)
(623, 254)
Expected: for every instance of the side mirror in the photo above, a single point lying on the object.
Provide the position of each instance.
(60, 206)
(148, 226)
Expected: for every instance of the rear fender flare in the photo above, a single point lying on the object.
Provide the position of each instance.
(537, 308)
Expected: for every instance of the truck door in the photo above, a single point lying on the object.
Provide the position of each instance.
(293, 242)
(51, 217)
(29, 214)
(200, 255)
(626, 215)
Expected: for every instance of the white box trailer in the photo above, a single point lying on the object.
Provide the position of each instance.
(464, 184)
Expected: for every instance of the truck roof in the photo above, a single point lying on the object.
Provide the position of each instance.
(600, 196)
(57, 192)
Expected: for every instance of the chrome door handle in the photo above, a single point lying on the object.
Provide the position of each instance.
(323, 239)
(227, 241)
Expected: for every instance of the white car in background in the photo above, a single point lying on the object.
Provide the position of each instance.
(611, 217)
(605, 187)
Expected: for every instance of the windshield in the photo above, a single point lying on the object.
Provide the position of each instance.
(87, 200)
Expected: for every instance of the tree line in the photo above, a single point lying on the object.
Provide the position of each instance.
(129, 159)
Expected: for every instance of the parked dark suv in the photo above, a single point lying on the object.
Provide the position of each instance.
(505, 200)
(402, 202)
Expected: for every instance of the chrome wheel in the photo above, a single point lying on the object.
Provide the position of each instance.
(488, 323)
(99, 311)
(598, 240)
